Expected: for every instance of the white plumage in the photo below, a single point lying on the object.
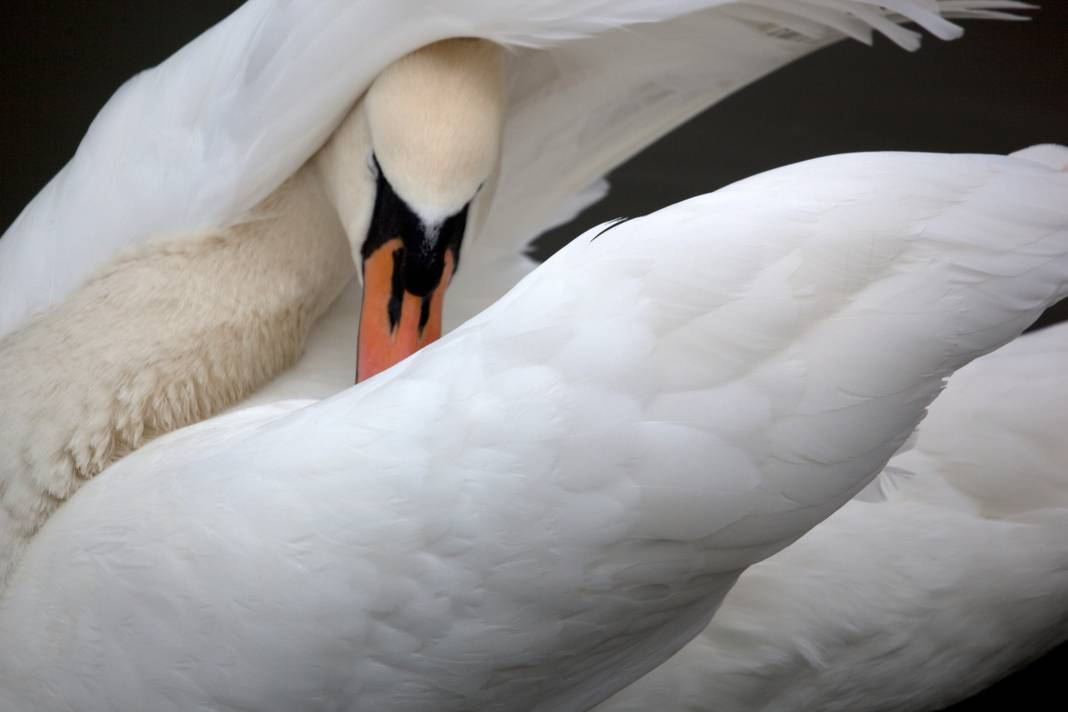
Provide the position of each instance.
(918, 598)
(174, 331)
(548, 502)
(222, 156)
(947, 573)
(949, 579)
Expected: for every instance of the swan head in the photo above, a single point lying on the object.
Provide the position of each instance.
(427, 134)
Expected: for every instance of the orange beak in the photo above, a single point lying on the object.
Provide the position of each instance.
(394, 323)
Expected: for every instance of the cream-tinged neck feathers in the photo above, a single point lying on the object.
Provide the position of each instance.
(346, 174)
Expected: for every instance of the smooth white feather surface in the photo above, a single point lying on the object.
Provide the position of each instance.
(196, 142)
(1052, 155)
(917, 601)
(552, 499)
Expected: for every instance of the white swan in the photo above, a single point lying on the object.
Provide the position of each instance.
(179, 328)
(553, 498)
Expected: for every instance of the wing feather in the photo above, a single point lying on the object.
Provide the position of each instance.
(197, 141)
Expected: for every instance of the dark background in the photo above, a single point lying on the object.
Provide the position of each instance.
(1001, 88)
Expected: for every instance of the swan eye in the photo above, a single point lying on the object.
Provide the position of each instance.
(372, 165)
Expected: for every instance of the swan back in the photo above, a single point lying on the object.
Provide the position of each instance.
(555, 497)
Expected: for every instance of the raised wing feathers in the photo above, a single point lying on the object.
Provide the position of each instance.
(199, 140)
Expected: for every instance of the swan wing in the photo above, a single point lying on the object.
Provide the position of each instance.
(197, 141)
(955, 577)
